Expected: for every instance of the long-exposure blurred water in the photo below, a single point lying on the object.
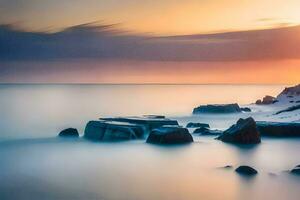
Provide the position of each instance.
(35, 164)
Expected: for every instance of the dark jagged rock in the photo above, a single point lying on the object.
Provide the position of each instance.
(279, 129)
(296, 170)
(206, 131)
(197, 125)
(107, 130)
(246, 170)
(243, 132)
(217, 108)
(266, 100)
(147, 123)
(169, 135)
(69, 132)
(246, 109)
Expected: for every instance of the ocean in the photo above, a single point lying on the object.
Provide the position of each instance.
(36, 164)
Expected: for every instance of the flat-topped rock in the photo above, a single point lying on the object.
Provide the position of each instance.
(197, 125)
(207, 131)
(169, 135)
(148, 123)
(106, 130)
(69, 132)
(243, 132)
(278, 129)
(217, 108)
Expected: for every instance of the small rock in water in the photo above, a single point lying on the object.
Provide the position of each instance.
(296, 170)
(246, 109)
(197, 125)
(246, 170)
(69, 132)
(228, 167)
(206, 131)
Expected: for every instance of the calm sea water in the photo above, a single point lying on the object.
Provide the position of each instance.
(37, 165)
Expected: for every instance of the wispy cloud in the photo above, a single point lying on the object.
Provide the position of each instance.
(109, 42)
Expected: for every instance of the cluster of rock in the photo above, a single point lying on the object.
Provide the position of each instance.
(158, 128)
(220, 108)
(243, 132)
(267, 100)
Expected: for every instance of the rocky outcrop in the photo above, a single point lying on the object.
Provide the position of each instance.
(206, 131)
(279, 129)
(69, 132)
(266, 100)
(105, 131)
(169, 135)
(243, 132)
(246, 170)
(217, 108)
(197, 125)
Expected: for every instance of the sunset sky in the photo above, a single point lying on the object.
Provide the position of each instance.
(146, 41)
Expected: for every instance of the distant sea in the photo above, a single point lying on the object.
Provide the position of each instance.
(30, 110)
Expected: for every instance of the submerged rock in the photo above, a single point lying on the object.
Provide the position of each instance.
(206, 131)
(197, 125)
(169, 135)
(246, 170)
(246, 109)
(69, 132)
(279, 129)
(243, 132)
(106, 131)
(217, 108)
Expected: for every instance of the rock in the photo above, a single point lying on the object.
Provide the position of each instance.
(69, 132)
(243, 132)
(217, 108)
(289, 109)
(107, 131)
(197, 125)
(169, 135)
(147, 123)
(206, 131)
(266, 100)
(246, 170)
(246, 109)
(228, 167)
(155, 116)
(296, 170)
(278, 129)
(258, 102)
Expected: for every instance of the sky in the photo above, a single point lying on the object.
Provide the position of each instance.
(146, 41)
